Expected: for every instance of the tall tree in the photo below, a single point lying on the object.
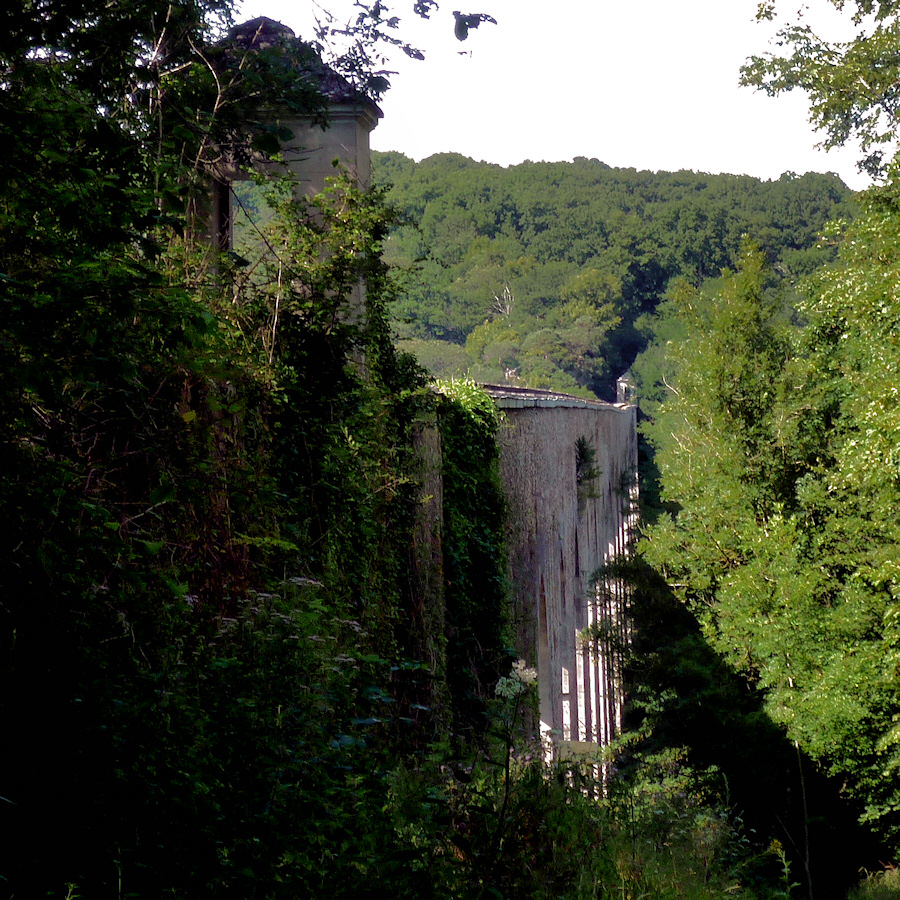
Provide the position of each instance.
(776, 450)
(783, 487)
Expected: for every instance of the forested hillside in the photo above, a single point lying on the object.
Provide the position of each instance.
(538, 272)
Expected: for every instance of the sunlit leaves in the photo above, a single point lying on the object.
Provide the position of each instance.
(777, 446)
(851, 85)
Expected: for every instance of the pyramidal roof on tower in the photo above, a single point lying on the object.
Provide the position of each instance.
(263, 33)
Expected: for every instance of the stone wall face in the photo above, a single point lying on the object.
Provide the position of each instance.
(311, 152)
(560, 533)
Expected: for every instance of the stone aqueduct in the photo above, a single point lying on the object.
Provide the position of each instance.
(569, 518)
(568, 466)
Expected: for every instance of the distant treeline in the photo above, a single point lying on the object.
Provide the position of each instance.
(539, 272)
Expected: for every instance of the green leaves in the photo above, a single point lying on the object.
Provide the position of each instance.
(851, 85)
(474, 563)
(775, 446)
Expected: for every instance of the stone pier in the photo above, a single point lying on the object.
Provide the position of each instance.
(569, 468)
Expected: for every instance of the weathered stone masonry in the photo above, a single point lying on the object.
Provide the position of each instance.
(560, 533)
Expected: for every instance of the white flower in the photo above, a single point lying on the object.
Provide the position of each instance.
(523, 673)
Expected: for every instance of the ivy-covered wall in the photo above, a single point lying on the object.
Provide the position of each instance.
(474, 552)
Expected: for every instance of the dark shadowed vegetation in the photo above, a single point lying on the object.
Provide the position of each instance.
(219, 675)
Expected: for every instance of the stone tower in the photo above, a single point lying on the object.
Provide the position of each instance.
(341, 133)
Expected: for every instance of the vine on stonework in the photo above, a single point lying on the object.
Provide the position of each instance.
(473, 544)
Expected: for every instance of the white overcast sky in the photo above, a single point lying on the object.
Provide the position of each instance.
(646, 85)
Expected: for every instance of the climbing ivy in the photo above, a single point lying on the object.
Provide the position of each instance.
(473, 547)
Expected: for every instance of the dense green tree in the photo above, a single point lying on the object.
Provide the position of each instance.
(776, 441)
(774, 446)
